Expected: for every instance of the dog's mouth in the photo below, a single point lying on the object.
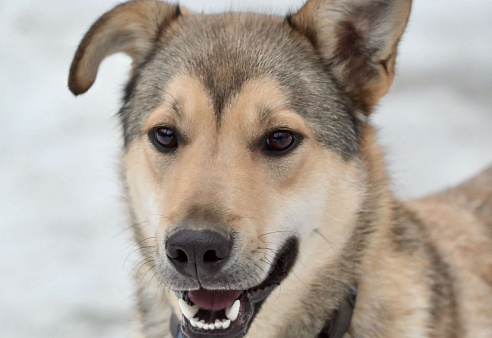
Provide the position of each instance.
(229, 313)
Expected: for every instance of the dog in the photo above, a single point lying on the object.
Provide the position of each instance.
(256, 188)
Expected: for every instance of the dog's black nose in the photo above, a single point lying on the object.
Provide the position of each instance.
(198, 252)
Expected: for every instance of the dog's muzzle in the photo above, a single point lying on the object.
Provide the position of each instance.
(219, 313)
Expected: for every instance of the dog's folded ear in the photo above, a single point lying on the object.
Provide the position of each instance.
(358, 40)
(133, 28)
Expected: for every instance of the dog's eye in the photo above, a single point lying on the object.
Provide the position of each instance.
(280, 142)
(164, 139)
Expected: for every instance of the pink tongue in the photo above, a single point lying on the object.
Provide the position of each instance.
(214, 300)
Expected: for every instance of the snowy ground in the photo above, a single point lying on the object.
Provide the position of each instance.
(61, 221)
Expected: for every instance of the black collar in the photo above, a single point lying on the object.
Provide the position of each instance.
(336, 327)
(339, 325)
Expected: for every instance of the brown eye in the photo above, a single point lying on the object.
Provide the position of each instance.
(164, 139)
(280, 142)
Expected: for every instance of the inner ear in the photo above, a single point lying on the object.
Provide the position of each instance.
(133, 28)
(357, 40)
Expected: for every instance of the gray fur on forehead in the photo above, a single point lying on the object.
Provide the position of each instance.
(224, 52)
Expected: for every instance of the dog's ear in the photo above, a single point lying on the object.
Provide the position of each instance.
(357, 39)
(132, 27)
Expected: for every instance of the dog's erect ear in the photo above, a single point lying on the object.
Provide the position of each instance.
(357, 39)
(132, 27)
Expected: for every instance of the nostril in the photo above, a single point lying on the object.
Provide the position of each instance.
(181, 256)
(211, 257)
(177, 255)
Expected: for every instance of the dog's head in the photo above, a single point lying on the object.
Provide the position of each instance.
(242, 139)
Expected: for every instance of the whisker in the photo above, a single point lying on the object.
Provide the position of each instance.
(333, 246)
(298, 277)
(140, 283)
(161, 216)
(145, 259)
(278, 231)
(259, 280)
(130, 227)
(273, 256)
(140, 265)
(159, 286)
(143, 248)
(120, 232)
(143, 240)
(260, 248)
(150, 282)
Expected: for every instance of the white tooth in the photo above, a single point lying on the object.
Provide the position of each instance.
(226, 323)
(193, 321)
(218, 324)
(205, 326)
(233, 310)
(200, 324)
(189, 311)
(211, 326)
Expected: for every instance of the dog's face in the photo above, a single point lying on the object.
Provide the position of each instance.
(242, 141)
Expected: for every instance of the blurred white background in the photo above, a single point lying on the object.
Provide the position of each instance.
(61, 220)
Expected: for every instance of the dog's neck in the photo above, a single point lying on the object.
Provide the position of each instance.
(394, 287)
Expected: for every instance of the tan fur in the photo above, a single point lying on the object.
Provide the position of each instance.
(462, 239)
(459, 235)
(423, 268)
